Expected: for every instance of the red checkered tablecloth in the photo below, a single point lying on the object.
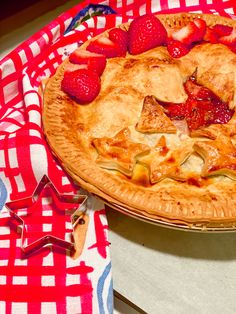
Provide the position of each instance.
(49, 282)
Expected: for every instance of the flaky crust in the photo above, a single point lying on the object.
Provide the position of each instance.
(179, 195)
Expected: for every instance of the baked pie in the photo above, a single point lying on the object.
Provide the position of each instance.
(153, 129)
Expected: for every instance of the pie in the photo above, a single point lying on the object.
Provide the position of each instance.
(159, 139)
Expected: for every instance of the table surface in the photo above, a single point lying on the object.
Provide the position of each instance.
(158, 269)
(169, 271)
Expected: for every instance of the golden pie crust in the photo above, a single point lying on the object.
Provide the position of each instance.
(112, 148)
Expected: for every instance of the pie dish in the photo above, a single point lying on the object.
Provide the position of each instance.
(125, 148)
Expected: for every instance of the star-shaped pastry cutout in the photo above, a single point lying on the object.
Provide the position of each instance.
(48, 218)
(219, 156)
(153, 119)
(166, 165)
(119, 152)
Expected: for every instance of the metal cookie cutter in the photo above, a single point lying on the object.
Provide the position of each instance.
(76, 218)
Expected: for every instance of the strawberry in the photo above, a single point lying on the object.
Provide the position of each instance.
(120, 36)
(211, 36)
(177, 49)
(94, 61)
(201, 25)
(232, 47)
(186, 34)
(229, 39)
(70, 67)
(145, 32)
(107, 47)
(83, 85)
(222, 30)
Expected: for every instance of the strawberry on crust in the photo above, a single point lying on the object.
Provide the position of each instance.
(94, 61)
(145, 32)
(107, 47)
(120, 36)
(177, 49)
(186, 34)
(211, 36)
(83, 85)
(222, 30)
(70, 67)
(201, 25)
(229, 39)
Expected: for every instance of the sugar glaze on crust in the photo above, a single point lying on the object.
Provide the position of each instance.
(172, 176)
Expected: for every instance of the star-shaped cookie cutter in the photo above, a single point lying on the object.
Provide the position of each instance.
(77, 218)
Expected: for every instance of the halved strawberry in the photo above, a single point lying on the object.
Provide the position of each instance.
(177, 49)
(95, 62)
(119, 35)
(222, 30)
(230, 39)
(211, 36)
(145, 32)
(70, 67)
(186, 34)
(107, 47)
(83, 85)
(232, 48)
(201, 25)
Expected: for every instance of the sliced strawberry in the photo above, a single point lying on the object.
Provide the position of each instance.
(211, 36)
(145, 32)
(177, 49)
(230, 39)
(82, 85)
(119, 36)
(187, 34)
(201, 25)
(107, 47)
(70, 67)
(232, 48)
(94, 61)
(222, 30)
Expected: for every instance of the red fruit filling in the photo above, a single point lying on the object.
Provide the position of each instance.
(202, 107)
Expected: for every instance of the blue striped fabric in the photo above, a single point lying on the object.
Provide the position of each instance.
(3, 194)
